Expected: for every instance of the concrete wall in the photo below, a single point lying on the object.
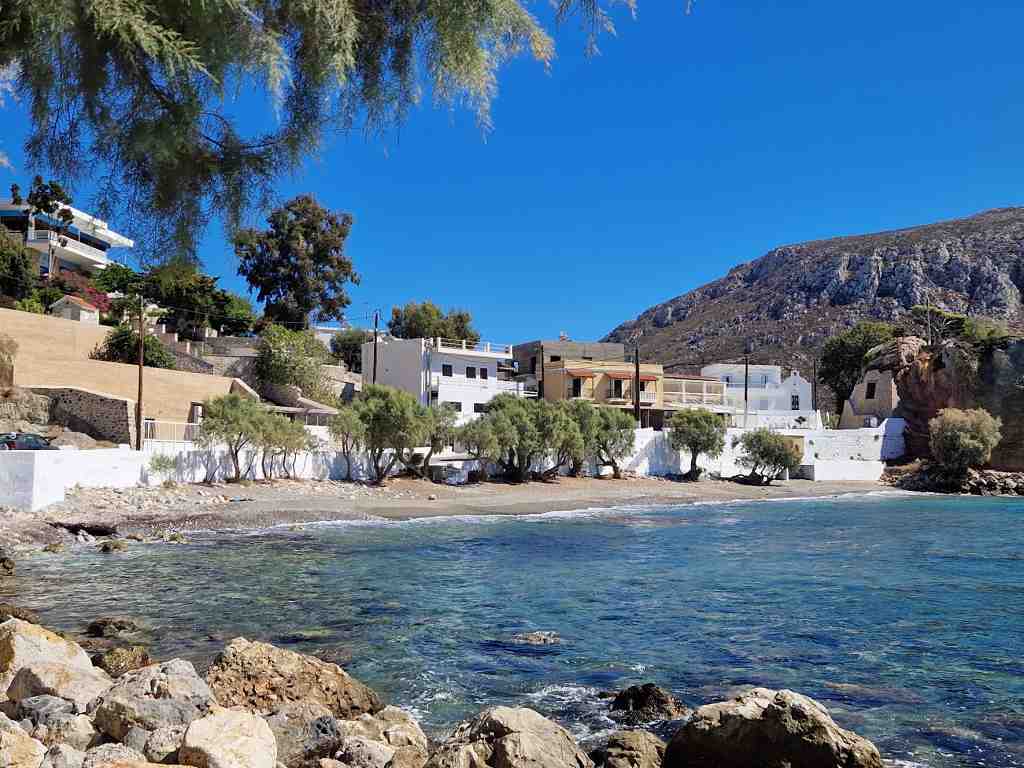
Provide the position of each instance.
(881, 406)
(401, 363)
(32, 480)
(52, 338)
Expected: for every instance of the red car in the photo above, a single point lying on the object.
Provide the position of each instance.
(24, 441)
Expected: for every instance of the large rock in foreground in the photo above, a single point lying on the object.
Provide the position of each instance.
(51, 665)
(262, 677)
(392, 732)
(509, 738)
(153, 697)
(228, 738)
(631, 749)
(768, 728)
(17, 748)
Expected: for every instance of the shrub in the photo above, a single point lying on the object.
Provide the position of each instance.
(614, 437)
(291, 358)
(348, 431)
(842, 357)
(122, 346)
(766, 454)
(30, 304)
(163, 466)
(236, 422)
(18, 268)
(395, 422)
(347, 346)
(960, 439)
(698, 431)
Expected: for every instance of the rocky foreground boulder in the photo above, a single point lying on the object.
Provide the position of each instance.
(17, 748)
(227, 738)
(767, 728)
(503, 737)
(262, 677)
(630, 749)
(35, 661)
(392, 734)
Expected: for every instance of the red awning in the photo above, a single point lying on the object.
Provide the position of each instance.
(578, 374)
(629, 376)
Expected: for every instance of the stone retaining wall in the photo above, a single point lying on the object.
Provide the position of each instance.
(100, 416)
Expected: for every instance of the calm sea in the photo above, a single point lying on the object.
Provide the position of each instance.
(904, 615)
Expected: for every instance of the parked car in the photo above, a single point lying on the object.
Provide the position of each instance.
(24, 441)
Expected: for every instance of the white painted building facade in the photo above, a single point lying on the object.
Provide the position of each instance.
(455, 374)
(765, 388)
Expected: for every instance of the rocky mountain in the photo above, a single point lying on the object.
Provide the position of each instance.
(783, 306)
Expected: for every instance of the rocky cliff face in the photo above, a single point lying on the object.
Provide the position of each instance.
(784, 305)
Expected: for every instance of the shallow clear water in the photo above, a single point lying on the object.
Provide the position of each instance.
(902, 615)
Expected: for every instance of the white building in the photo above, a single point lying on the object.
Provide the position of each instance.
(765, 388)
(456, 374)
(74, 308)
(82, 245)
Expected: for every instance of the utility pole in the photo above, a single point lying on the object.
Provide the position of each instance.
(540, 381)
(376, 323)
(746, 388)
(636, 383)
(814, 384)
(142, 357)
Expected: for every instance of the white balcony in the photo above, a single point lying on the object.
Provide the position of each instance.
(480, 349)
(69, 250)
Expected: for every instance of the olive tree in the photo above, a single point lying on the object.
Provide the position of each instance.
(960, 440)
(614, 438)
(698, 431)
(349, 432)
(394, 423)
(479, 439)
(766, 454)
(234, 421)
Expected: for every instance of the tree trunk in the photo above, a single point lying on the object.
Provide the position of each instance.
(694, 473)
(348, 464)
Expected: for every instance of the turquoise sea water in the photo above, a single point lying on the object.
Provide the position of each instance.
(903, 615)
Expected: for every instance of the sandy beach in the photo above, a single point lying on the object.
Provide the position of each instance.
(149, 511)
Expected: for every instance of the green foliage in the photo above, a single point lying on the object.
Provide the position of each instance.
(18, 267)
(298, 266)
(479, 439)
(349, 432)
(118, 278)
(278, 438)
(163, 465)
(698, 431)
(426, 320)
(234, 421)
(766, 454)
(842, 358)
(233, 314)
(122, 346)
(395, 423)
(49, 199)
(187, 296)
(30, 304)
(584, 417)
(614, 438)
(291, 358)
(960, 439)
(139, 94)
(347, 346)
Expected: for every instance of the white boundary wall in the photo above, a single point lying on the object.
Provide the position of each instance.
(32, 480)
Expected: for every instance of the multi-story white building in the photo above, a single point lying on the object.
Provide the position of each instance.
(456, 374)
(82, 245)
(765, 388)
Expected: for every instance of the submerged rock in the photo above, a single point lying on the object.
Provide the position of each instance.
(646, 703)
(262, 677)
(113, 545)
(630, 749)
(112, 626)
(503, 737)
(7, 566)
(227, 738)
(765, 727)
(537, 638)
(54, 547)
(118, 661)
(54, 665)
(153, 697)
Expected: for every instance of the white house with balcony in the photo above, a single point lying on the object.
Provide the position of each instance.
(761, 387)
(459, 375)
(83, 245)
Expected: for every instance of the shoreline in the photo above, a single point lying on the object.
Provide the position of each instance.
(283, 503)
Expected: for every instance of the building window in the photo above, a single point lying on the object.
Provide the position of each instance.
(446, 369)
(455, 406)
(617, 388)
(483, 373)
(587, 357)
(533, 365)
(479, 407)
(470, 372)
(870, 394)
(555, 358)
(794, 402)
(195, 412)
(577, 387)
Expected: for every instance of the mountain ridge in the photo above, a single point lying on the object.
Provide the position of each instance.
(783, 306)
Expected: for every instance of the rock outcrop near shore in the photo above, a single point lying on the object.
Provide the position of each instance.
(264, 707)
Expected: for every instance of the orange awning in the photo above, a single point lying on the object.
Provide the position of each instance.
(629, 376)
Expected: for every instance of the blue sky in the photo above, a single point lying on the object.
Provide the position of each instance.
(692, 144)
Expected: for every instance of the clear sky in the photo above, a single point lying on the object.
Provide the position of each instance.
(692, 144)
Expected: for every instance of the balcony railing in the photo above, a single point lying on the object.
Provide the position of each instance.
(647, 396)
(461, 345)
(43, 239)
(170, 431)
(694, 398)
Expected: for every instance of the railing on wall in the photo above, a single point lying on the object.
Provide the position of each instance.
(170, 431)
